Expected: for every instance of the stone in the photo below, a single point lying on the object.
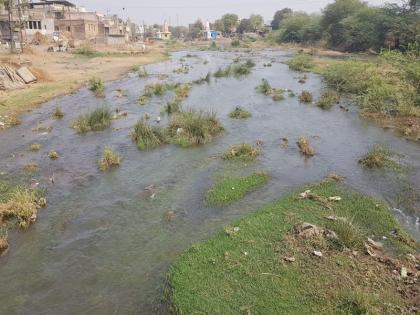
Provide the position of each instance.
(317, 253)
(307, 230)
(26, 75)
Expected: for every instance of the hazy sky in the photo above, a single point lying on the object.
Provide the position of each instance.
(187, 11)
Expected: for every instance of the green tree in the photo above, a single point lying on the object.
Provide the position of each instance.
(245, 26)
(300, 28)
(219, 26)
(230, 22)
(257, 21)
(279, 17)
(334, 13)
(196, 30)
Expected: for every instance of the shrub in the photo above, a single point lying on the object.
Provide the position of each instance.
(143, 99)
(301, 63)
(58, 113)
(239, 113)
(110, 159)
(277, 95)
(97, 120)
(192, 127)
(306, 97)
(348, 234)
(157, 89)
(305, 146)
(242, 152)
(236, 69)
(206, 79)
(220, 73)
(348, 77)
(147, 137)
(328, 99)
(97, 86)
(379, 157)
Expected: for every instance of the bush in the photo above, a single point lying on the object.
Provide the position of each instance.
(328, 99)
(239, 113)
(235, 69)
(305, 146)
(192, 127)
(243, 152)
(110, 159)
(306, 97)
(348, 234)
(182, 91)
(348, 77)
(97, 120)
(301, 63)
(147, 137)
(97, 86)
(157, 89)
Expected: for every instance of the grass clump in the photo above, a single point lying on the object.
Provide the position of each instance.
(173, 106)
(148, 137)
(237, 70)
(31, 167)
(328, 99)
(97, 86)
(306, 97)
(35, 147)
(98, 120)
(380, 157)
(58, 113)
(221, 73)
(242, 152)
(143, 99)
(110, 159)
(206, 79)
(142, 72)
(182, 91)
(188, 128)
(4, 244)
(301, 62)
(266, 89)
(88, 52)
(53, 155)
(305, 146)
(21, 207)
(157, 89)
(243, 268)
(230, 189)
(239, 113)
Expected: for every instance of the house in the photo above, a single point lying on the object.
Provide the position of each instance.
(164, 34)
(87, 26)
(208, 33)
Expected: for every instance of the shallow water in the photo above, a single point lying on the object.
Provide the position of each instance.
(102, 246)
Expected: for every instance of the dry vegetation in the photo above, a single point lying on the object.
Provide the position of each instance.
(305, 146)
(110, 159)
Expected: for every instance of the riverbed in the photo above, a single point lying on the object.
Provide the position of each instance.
(103, 245)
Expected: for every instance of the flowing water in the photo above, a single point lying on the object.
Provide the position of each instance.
(102, 245)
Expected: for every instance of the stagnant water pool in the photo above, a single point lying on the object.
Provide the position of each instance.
(102, 245)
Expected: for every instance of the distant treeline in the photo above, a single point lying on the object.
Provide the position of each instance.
(352, 25)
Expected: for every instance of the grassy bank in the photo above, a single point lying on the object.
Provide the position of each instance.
(269, 263)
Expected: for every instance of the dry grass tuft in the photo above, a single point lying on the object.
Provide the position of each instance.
(35, 147)
(305, 146)
(110, 159)
(31, 167)
(306, 97)
(243, 152)
(53, 155)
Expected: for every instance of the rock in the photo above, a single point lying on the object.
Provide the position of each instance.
(376, 245)
(317, 253)
(403, 272)
(334, 198)
(307, 230)
(305, 194)
(331, 235)
(26, 75)
(289, 259)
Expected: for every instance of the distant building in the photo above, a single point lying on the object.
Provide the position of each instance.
(209, 34)
(164, 34)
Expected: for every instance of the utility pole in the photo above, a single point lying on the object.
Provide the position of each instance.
(10, 14)
(20, 25)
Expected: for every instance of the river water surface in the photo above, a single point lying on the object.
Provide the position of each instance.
(102, 245)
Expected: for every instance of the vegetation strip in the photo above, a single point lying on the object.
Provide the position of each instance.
(289, 257)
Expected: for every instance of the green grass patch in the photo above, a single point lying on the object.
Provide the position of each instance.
(230, 189)
(97, 86)
(266, 89)
(301, 62)
(110, 159)
(148, 137)
(328, 99)
(242, 152)
(239, 113)
(236, 69)
(381, 157)
(191, 127)
(99, 119)
(243, 269)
